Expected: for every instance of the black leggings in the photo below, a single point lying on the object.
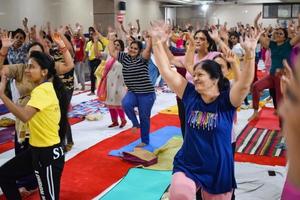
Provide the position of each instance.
(46, 163)
(68, 136)
(29, 181)
(93, 64)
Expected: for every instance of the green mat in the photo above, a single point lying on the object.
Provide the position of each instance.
(140, 184)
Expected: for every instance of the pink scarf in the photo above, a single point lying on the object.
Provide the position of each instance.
(102, 88)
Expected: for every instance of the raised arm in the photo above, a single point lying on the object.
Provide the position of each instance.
(23, 113)
(7, 41)
(49, 29)
(174, 80)
(123, 29)
(264, 39)
(66, 41)
(214, 34)
(223, 32)
(172, 59)
(190, 54)
(146, 54)
(26, 29)
(61, 67)
(230, 57)
(138, 26)
(289, 110)
(111, 47)
(241, 88)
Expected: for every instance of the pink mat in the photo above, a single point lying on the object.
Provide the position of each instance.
(267, 119)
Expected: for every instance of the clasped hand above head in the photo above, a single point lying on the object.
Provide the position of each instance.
(159, 32)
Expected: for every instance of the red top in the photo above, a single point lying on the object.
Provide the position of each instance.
(180, 43)
(79, 49)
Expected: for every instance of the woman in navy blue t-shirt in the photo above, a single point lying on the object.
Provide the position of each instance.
(205, 159)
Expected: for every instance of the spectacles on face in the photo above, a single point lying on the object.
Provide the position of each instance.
(200, 38)
(279, 33)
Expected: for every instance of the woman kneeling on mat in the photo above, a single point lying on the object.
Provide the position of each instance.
(44, 113)
(205, 160)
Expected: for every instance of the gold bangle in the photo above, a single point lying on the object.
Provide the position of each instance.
(249, 58)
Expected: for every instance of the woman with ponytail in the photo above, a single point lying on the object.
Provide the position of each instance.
(45, 113)
(24, 85)
(205, 161)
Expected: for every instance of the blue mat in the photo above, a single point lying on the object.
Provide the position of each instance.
(157, 140)
(140, 184)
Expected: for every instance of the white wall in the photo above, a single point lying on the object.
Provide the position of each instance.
(236, 13)
(144, 10)
(58, 12)
(229, 13)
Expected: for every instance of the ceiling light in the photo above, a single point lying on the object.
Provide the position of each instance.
(204, 7)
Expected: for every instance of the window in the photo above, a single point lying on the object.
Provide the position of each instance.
(281, 10)
(295, 10)
(284, 11)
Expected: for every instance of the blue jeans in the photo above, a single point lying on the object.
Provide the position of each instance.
(144, 102)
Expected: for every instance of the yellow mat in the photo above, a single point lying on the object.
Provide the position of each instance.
(173, 110)
(165, 154)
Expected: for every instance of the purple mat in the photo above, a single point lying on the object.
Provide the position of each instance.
(7, 134)
(3, 109)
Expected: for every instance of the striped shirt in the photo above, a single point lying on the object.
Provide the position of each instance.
(135, 73)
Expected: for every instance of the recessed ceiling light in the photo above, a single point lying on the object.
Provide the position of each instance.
(204, 7)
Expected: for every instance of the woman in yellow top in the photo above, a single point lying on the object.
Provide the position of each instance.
(93, 50)
(44, 112)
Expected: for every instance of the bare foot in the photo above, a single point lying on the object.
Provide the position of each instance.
(141, 145)
(254, 116)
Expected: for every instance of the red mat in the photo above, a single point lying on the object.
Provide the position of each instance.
(258, 146)
(75, 120)
(6, 146)
(92, 171)
(262, 160)
(260, 74)
(267, 119)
